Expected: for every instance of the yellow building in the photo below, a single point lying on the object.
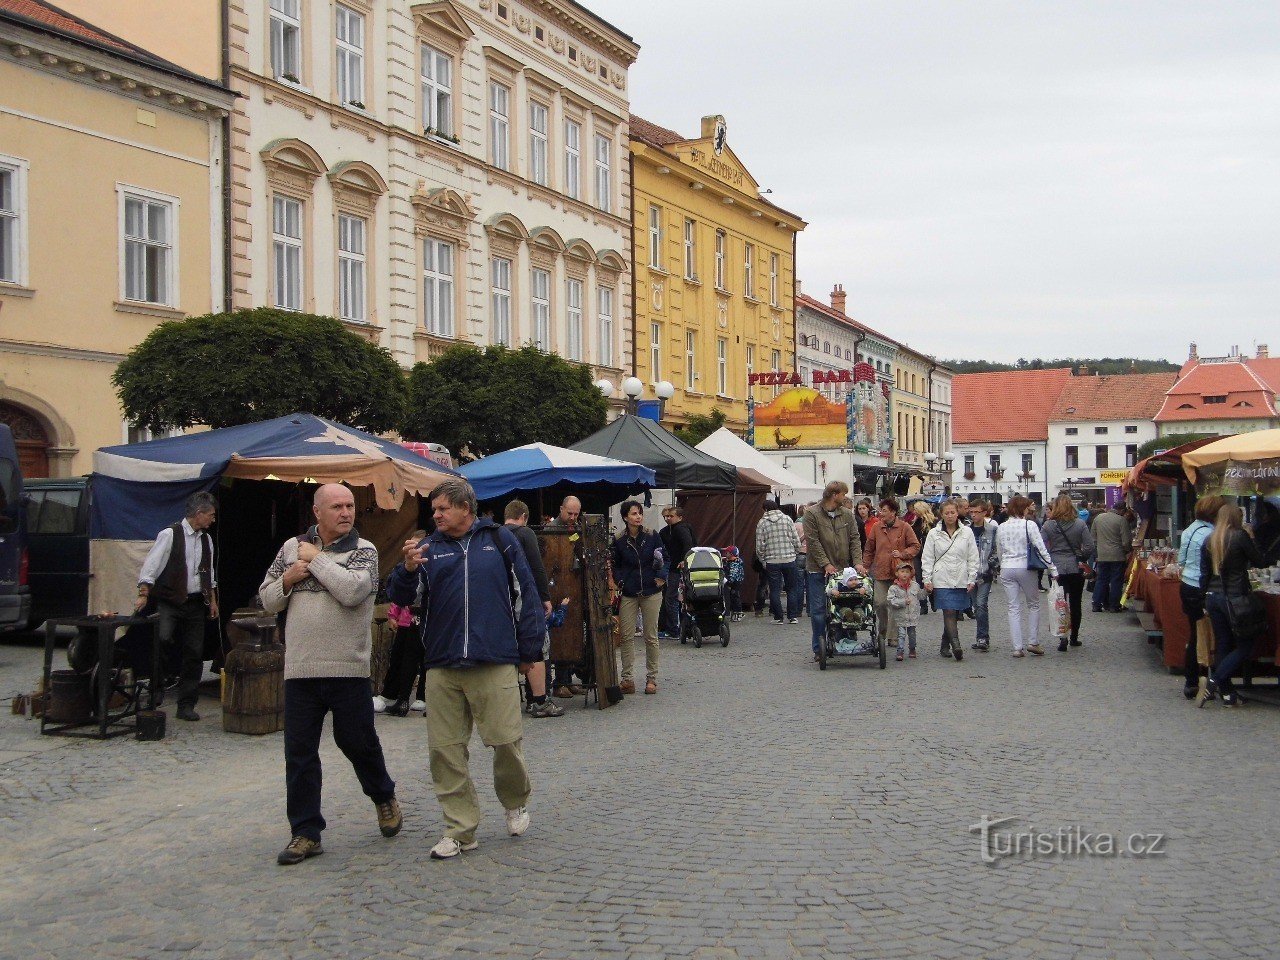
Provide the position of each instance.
(714, 273)
(110, 222)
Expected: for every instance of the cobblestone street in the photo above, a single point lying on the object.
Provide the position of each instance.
(755, 808)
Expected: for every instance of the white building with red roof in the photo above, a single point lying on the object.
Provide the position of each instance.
(1223, 395)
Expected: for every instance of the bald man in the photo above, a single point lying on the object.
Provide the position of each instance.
(327, 579)
(564, 687)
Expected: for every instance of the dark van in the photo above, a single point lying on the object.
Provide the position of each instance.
(58, 543)
(15, 594)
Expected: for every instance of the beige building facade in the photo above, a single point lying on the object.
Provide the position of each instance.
(110, 223)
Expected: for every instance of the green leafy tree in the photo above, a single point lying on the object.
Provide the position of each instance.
(1168, 443)
(701, 426)
(225, 369)
(497, 398)
(1106, 366)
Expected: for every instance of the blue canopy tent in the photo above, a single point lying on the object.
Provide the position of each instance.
(536, 466)
(140, 488)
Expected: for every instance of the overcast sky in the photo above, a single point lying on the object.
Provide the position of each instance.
(1001, 180)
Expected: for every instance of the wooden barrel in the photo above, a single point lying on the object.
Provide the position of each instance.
(253, 699)
(70, 697)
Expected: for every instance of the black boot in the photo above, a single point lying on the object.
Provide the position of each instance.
(946, 648)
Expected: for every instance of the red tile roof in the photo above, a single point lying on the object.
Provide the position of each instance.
(651, 133)
(1129, 396)
(1004, 405)
(1249, 386)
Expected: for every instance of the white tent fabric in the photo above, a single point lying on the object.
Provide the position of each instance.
(790, 487)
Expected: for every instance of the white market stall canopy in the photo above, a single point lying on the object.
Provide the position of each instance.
(790, 487)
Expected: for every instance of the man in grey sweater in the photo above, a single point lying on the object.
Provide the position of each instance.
(1114, 539)
(327, 580)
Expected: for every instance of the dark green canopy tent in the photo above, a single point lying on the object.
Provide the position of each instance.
(639, 440)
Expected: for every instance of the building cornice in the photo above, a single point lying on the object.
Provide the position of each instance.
(581, 21)
(30, 348)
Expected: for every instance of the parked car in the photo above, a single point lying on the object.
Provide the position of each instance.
(15, 593)
(57, 524)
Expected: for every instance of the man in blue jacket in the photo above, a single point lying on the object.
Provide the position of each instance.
(481, 621)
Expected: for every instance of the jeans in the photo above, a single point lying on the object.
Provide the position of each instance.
(884, 613)
(405, 664)
(306, 701)
(1020, 586)
(669, 621)
(817, 583)
(802, 583)
(1073, 586)
(1193, 607)
(735, 597)
(779, 574)
(981, 596)
(906, 635)
(1110, 584)
(184, 623)
(1230, 651)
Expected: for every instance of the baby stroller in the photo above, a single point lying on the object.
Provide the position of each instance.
(702, 597)
(850, 611)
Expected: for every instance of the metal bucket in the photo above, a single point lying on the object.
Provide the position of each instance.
(70, 697)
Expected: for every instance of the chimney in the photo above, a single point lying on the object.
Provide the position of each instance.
(1235, 351)
(1193, 355)
(837, 298)
(1262, 351)
(1084, 370)
(799, 288)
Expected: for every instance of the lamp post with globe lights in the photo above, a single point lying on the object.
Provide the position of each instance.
(633, 388)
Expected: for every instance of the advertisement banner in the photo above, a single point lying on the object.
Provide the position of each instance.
(1240, 478)
(800, 417)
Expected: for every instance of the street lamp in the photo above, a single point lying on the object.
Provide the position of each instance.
(605, 386)
(665, 390)
(930, 459)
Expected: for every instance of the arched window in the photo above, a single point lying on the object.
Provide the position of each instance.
(826, 346)
(848, 354)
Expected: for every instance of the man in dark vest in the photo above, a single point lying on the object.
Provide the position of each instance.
(182, 582)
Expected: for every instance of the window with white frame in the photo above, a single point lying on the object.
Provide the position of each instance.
(500, 283)
(773, 279)
(538, 114)
(573, 337)
(655, 237)
(605, 325)
(573, 159)
(751, 362)
(721, 244)
(286, 249)
(436, 77)
(604, 173)
(499, 126)
(655, 352)
(286, 40)
(351, 268)
(722, 366)
(437, 287)
(690, 250)
(13, 220)
(775, 361)
(749, 270)
(540, 307)
(148, 237)
(690, 360)
(349, 39)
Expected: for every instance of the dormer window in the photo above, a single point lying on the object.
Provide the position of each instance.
(1219, 398)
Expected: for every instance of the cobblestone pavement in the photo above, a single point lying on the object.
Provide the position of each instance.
(755, 808)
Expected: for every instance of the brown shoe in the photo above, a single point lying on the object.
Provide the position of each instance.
(651, 687)
(577, 689)
(628, 686)
(389, 819)
(299, 849)
(562, 693)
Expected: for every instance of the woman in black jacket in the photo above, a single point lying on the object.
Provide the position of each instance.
(1224, 574)
(638, 570)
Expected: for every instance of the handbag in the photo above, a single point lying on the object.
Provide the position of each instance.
(1248, 616)
(1034, 560)
(1082, 562)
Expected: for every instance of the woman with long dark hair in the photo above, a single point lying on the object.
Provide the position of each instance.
(1224, 569)
(1070, 544)
(638, 571)
(864, 515)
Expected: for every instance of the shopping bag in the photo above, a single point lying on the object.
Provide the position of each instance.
(1061, 612)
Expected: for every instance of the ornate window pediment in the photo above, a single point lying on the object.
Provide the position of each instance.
(506, 233)
(292, 164)
(357, 184)
(442, 19)
(611, 260)
(443, 211)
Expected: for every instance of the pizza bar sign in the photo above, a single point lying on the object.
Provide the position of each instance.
(782, 378)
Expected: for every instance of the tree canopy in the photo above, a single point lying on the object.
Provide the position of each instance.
(225, 369)
(701, 426)
(498, 398)
(1104, 365)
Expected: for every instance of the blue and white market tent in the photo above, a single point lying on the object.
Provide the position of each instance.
(536, 466)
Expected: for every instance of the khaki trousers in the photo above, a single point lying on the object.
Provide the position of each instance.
(649, 608)
(489, 696)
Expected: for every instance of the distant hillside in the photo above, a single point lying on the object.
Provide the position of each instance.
(1105, 365)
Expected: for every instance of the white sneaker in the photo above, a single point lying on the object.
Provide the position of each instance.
(380, 704)
(419, 705)
(448, 848)
(517, 820)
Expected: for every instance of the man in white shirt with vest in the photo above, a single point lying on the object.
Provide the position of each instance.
(185, 589)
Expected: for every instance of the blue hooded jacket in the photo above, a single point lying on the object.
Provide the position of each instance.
(638, 563)
(469, 613)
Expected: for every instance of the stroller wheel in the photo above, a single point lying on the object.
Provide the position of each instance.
(724, 634)
(697, 636)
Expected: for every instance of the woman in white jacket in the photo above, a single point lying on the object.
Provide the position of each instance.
(1016, 539)
(949, 569)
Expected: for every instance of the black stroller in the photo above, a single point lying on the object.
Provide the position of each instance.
(703, 611)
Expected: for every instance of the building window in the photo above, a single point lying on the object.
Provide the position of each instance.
(605, 349)
(437, 287)
(1101, 459)
(1131, 429)
(538, 114)
(573, 159)
(13, 220)
(573, 338)
(773, 279)
(286, 40)
(995, 460)
(349, 35)
(749, 270)
(848, 355)
(499, 126)
(1026, 463)
(722, 366)
(690, 250)
(826, 346)
(1072, 431)
(500, 285)
(721, 244)
(351, 261)
(1100, 430)
(775, 361)
(690, 360)
(655, 352)
(655, 237)
(968, 465)
(1073, 458)
(540, 308)
(1131, 454)
(148, 248)
(286, 245)
(751, 363)
(437, 92)
(1220, 398)
(604, 178)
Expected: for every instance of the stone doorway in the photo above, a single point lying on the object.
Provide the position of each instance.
(33, 442)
